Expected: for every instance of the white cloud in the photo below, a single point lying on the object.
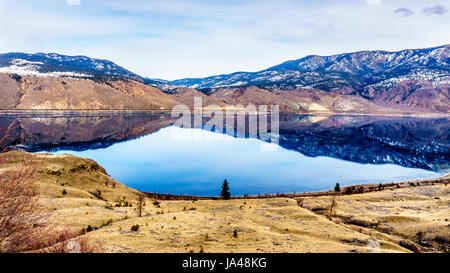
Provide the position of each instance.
(404, 12)
(438, 9)
(73, 2)
(373, 2)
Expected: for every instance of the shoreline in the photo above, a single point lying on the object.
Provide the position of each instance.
(358, 189)
(144, 111)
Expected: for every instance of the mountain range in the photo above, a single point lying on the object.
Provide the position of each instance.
(414, 80)
(351, 73)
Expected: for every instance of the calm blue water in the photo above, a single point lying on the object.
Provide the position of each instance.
(195, 162)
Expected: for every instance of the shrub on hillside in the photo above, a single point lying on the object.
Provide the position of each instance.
(135, 228)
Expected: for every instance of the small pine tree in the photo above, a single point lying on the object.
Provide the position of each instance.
(337, 188)
(225, 194)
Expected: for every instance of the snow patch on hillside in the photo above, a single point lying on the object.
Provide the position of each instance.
(27, 68)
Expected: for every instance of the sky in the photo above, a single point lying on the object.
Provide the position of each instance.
(172, 39)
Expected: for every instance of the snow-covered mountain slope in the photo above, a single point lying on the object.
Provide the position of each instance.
(56, 65)
(53, 64)
(350, 73)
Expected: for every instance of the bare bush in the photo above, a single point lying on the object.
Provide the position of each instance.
(24, 219)
(141, 204)
(21, 213)
(332, 207)
(6, 135)
(20, 210)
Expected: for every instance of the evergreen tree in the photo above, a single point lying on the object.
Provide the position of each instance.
(225, 194)
(380, 187)
(337, 188)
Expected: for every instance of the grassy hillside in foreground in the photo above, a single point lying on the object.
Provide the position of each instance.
(80, 194)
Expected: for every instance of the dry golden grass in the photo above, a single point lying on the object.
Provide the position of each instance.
(416, 217)
(269, 225)
(391, 218)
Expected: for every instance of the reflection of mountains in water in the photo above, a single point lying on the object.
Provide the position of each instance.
(409, 142)
(37, 133)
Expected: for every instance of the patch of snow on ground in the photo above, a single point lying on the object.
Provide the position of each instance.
(27, 68)
(21, 62)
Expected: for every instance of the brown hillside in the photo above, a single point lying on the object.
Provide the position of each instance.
(47, 93)
(41, 93)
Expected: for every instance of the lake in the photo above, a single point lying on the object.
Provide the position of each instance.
(147, 152)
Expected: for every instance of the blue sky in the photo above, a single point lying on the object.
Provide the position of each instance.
(172, 39)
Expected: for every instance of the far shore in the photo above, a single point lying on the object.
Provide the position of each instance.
(312, 113)
(359, 189)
